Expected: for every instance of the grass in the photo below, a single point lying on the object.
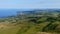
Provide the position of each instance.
(10, 30)
(34, 25)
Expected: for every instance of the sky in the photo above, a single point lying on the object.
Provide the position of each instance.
(31, 4)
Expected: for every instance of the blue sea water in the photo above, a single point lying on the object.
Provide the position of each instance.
(10, 12)
(7, 12)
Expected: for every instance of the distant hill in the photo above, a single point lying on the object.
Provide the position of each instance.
(10, 12)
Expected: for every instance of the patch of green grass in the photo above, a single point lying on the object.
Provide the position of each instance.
(10, 30)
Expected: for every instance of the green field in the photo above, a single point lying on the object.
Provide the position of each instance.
(31, 23)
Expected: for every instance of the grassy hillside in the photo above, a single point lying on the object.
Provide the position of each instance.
(34, 22)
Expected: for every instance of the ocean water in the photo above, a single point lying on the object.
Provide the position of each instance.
(7, 12)
(10, 12)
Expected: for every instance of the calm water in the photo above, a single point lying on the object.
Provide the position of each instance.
(9, 12)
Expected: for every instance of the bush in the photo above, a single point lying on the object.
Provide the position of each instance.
(50, 26)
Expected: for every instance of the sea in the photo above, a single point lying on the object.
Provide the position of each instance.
(10, 12)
